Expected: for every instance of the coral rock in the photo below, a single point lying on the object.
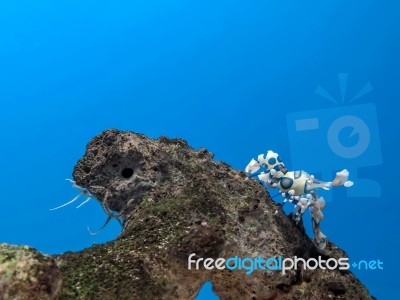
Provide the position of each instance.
(174, 201)
(27, 274)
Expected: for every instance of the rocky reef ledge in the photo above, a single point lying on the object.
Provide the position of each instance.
(174, 201)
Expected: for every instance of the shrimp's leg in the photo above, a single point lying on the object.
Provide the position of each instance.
(286, 197)
(299, 209)
(320, 238)
(316, 217)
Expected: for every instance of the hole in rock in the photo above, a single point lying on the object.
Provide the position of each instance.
(127, 173)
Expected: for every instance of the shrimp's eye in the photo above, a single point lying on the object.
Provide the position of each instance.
(127, 173)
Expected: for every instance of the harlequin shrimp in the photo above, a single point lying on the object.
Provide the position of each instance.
(296, 187)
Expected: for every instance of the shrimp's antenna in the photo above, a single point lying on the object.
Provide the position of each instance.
(110, 214)
(68, 203)
(83, 192)
(84, 202)
(102, 227)
(89, 196)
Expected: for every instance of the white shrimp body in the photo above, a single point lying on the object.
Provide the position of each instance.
(297, 183)
(296, 187)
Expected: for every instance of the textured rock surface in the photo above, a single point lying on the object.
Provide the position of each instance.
(27, 274)
(175, 201)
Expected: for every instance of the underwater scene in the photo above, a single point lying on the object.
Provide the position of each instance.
(199, 149)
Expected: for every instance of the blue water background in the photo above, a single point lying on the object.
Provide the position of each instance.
(221, 74)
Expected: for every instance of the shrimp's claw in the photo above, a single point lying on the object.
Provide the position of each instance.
(348, 183)
(253, 166)
(342, 179)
